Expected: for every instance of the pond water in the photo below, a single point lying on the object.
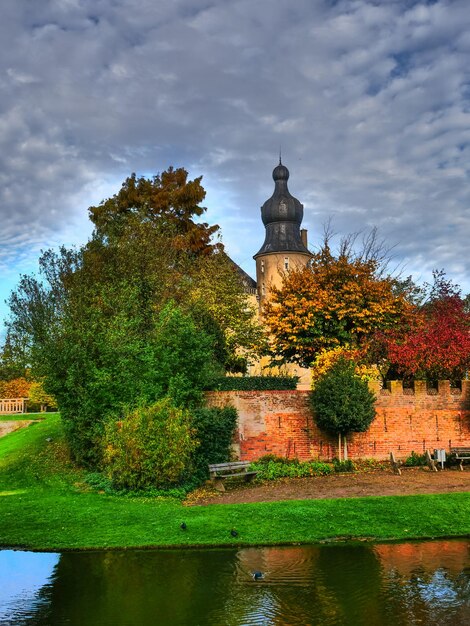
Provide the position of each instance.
(398, 584)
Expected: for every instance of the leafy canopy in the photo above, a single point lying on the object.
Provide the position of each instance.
(437, 343)
(168, 199)
(15, 388)
(334, 301)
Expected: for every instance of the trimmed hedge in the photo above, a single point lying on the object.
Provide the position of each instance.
(289, 468)
(254, 383)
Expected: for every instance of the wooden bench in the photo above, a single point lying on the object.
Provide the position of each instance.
(396, 465)
(236, 469)
(461, 455)
(431, 463)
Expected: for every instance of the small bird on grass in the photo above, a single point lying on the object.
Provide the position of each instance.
(234, 533)
(183, 526)
(257, 575)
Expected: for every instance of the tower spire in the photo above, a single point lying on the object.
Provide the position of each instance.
(285, 246)
(282, 216)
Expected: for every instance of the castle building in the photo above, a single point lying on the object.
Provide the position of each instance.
(285, 244)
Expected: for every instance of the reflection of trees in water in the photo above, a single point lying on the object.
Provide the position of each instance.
(132, 588)
(171, 587)
(350, 579)
(327, 585)
(356, 585)
(309, 585)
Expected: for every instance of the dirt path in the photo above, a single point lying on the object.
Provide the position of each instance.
(377, 483)
(8, 426)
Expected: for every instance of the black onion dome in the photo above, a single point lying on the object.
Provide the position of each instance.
(282, 216)
(280, 172)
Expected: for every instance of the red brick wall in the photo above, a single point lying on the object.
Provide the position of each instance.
(281, 423)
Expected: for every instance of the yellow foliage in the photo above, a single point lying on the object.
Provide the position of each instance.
(38, 397)
(16, 388)
(327, 358)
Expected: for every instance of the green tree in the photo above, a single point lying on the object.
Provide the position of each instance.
(217, 291)
(115, 324)
(151, 225)
(342, 403)
(14, 362)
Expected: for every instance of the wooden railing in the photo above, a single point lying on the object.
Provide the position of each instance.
(12, 405)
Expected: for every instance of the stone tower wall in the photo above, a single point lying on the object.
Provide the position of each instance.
(270, 269)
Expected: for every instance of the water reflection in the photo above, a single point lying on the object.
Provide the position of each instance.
(429, 581)
(24, 577)
(399, 584)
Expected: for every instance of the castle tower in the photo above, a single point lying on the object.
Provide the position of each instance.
(285, 245)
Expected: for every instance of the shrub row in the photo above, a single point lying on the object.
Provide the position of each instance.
(295, 469)
(254, 383)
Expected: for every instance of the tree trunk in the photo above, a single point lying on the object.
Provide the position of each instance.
(339, 446)
(345, 448)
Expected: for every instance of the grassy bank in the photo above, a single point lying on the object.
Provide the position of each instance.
(46, 505)
(22, 416)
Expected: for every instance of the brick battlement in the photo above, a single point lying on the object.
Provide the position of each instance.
(420, 388)
(281, 422)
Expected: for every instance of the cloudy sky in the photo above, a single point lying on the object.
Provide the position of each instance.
(370, 101)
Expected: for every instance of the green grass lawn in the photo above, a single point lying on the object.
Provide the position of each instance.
(45, 505)
(22, 416)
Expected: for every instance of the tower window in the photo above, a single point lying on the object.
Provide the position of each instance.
(263, 290)
(286, 263)
(262, 267)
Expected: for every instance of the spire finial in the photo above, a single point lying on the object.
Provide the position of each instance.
(280, 160)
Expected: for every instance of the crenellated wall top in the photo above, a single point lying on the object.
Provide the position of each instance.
(420, 388)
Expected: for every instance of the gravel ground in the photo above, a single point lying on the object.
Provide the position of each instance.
(375, 483)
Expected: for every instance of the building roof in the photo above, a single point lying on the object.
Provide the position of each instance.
(248, 282)
(282, 216)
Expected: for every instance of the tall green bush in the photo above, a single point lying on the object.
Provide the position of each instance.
(150, 447)
(214, 428)
(342, 402)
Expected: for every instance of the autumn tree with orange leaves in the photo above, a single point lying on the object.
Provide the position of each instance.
(335, 301)
(15, 388)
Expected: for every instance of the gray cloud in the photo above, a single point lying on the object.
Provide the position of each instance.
(369, 100)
